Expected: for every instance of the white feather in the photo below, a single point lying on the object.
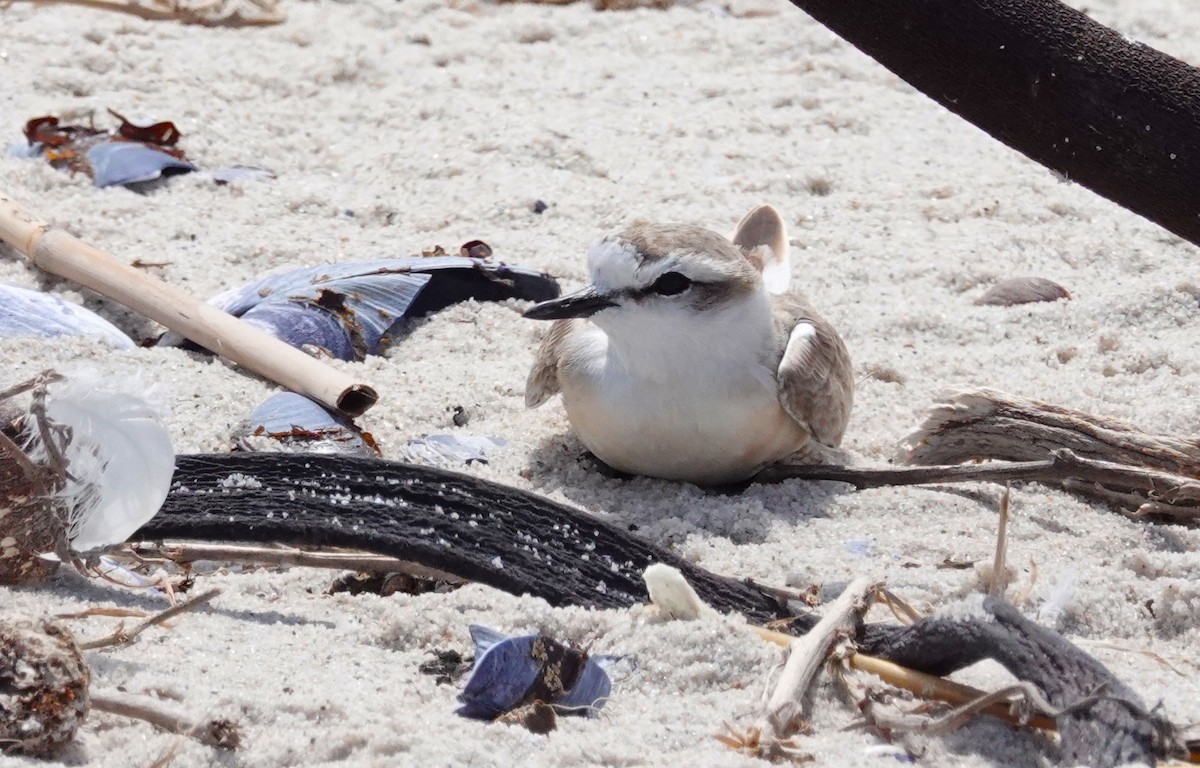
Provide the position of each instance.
(119, 457)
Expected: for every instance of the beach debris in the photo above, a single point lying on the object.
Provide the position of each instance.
(130, 155)
(354, 309)
(237, 174)
(32, 313)
(388, 584)
(513, 672)
(287, 421)
(55, 250)
(1022, 290)
(446, 666)
(86, 464)
(43, 687)
(208, 13)
(451, 450)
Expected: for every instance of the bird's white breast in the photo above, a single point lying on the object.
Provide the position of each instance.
(697, 402)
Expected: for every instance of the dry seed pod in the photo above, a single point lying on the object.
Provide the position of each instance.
(43, 687)
(1023, 290)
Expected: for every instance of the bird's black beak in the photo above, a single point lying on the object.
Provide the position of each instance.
(583, 303)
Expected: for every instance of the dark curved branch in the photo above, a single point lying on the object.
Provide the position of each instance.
(1102, 722)
(503, 537)
(1114, 115)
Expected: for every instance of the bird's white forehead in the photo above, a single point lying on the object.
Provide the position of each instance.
(614, 264)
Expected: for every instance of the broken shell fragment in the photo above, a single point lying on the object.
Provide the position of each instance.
(355, 309)
(290, 422)
(451, 450)
(128, 162)
(1023, 290)
(31, 313)
(43, 687)
(511, 672)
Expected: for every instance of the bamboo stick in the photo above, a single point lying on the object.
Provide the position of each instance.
(56, 251)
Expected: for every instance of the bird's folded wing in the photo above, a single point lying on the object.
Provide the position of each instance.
(816, 379)
(542, 383)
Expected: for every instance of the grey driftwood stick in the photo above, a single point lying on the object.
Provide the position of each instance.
(1108, 112)
(525, 544)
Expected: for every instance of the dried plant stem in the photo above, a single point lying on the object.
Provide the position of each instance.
(785, 708)
(211, 15)
(123, 637)
(999, 579)
(58, 252)
(212, 733)
(186, 552)
(940, 689)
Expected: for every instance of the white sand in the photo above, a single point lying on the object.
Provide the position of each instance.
(689, 114)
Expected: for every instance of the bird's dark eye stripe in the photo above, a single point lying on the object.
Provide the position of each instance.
(670, 284)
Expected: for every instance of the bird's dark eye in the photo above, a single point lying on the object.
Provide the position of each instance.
(670, 284)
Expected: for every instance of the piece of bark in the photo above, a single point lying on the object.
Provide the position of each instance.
(1116, 729)
(1101, 109)
(984, 423)
(1105, 459)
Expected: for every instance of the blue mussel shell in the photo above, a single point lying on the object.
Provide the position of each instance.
(512, 671)
(354, 309)
(31, 313)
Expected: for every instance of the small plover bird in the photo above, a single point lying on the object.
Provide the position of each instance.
(686, 358)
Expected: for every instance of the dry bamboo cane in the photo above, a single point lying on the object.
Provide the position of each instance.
(56, 251)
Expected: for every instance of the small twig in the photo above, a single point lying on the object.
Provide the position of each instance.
(997, 585)
(213, 733)
(124, 613)
(863, 477)
(1030, 703)
(121, 637)
(216, 17)
(186, 552)
(899, 607)
(1144, 490)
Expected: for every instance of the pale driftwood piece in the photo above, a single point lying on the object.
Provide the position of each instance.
(1106, 459)
(58, 252)
(1136, 472)
(983, 423)
(213, 13)
(785, 709)
(187, 552)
